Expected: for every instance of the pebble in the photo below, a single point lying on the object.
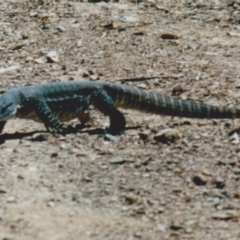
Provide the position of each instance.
(145, 135)
(11, 199)
(61, 28)
(175, 227)
(39, 137)
(52, 56)
(200, 180)
(167, 135)
(110, 137)
(226, 215)
(117, 160)
(3, 190)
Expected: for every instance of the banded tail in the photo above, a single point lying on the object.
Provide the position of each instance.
(147, 101)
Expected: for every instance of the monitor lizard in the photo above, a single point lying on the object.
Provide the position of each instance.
(57, 102)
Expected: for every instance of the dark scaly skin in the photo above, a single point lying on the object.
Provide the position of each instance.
(53, 103)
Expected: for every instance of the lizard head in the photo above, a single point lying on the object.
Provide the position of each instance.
(8, 107)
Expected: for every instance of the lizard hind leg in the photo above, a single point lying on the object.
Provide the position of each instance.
(103, 102)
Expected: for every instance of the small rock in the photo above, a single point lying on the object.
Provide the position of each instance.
(17, 46)
(130, 19)
(52, 56)
(21, 177)
(24, 35)
(233, 34)
(219, 183)
(139, 210)
(11, 199)
(12, 143)
(110, 137)
(39, 137)
(120, 6)
(167, 135)
(51, 204)
(111, 25)
(200, 180)
(23, 164)
(178, 90)
(169, 36)
(117, 160)
(236, 170)
(139, 33)
(32, 169)
(188, 230)
(234, 138)
(192, 223)
(2, 190)
(93, 77)
(74, 151)
(175, 227)
(137, 235)
(83, 153)
(161, 209)
(231, 205)
(80, 199)
(130, 198)
(8, 150)
(237, 195)
(178, 170)
(9, 69)
(206, 172)
(130, 120)
(29, 59)
(79, 43)
(202, 123)
(40, 60)
(226, 215)
(230, 162)
(145, 135)
(161, 227)
(61, 29)
(54, 154)
(33, 14)
(63, 146)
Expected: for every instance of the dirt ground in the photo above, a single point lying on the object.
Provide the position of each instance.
(86, 185)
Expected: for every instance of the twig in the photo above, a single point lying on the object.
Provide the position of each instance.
(134, 79)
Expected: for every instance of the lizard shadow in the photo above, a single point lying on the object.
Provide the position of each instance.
(17, 135)
(21, 135)
(69, 130)
(101, 131)
(81, 128)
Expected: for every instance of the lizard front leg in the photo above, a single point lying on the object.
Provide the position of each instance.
(45, 114)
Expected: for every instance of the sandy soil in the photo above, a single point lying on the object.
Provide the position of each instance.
(85, 186)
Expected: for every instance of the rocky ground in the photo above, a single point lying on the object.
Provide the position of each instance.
(138, 185)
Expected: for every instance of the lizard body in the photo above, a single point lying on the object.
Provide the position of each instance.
(56, 102)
